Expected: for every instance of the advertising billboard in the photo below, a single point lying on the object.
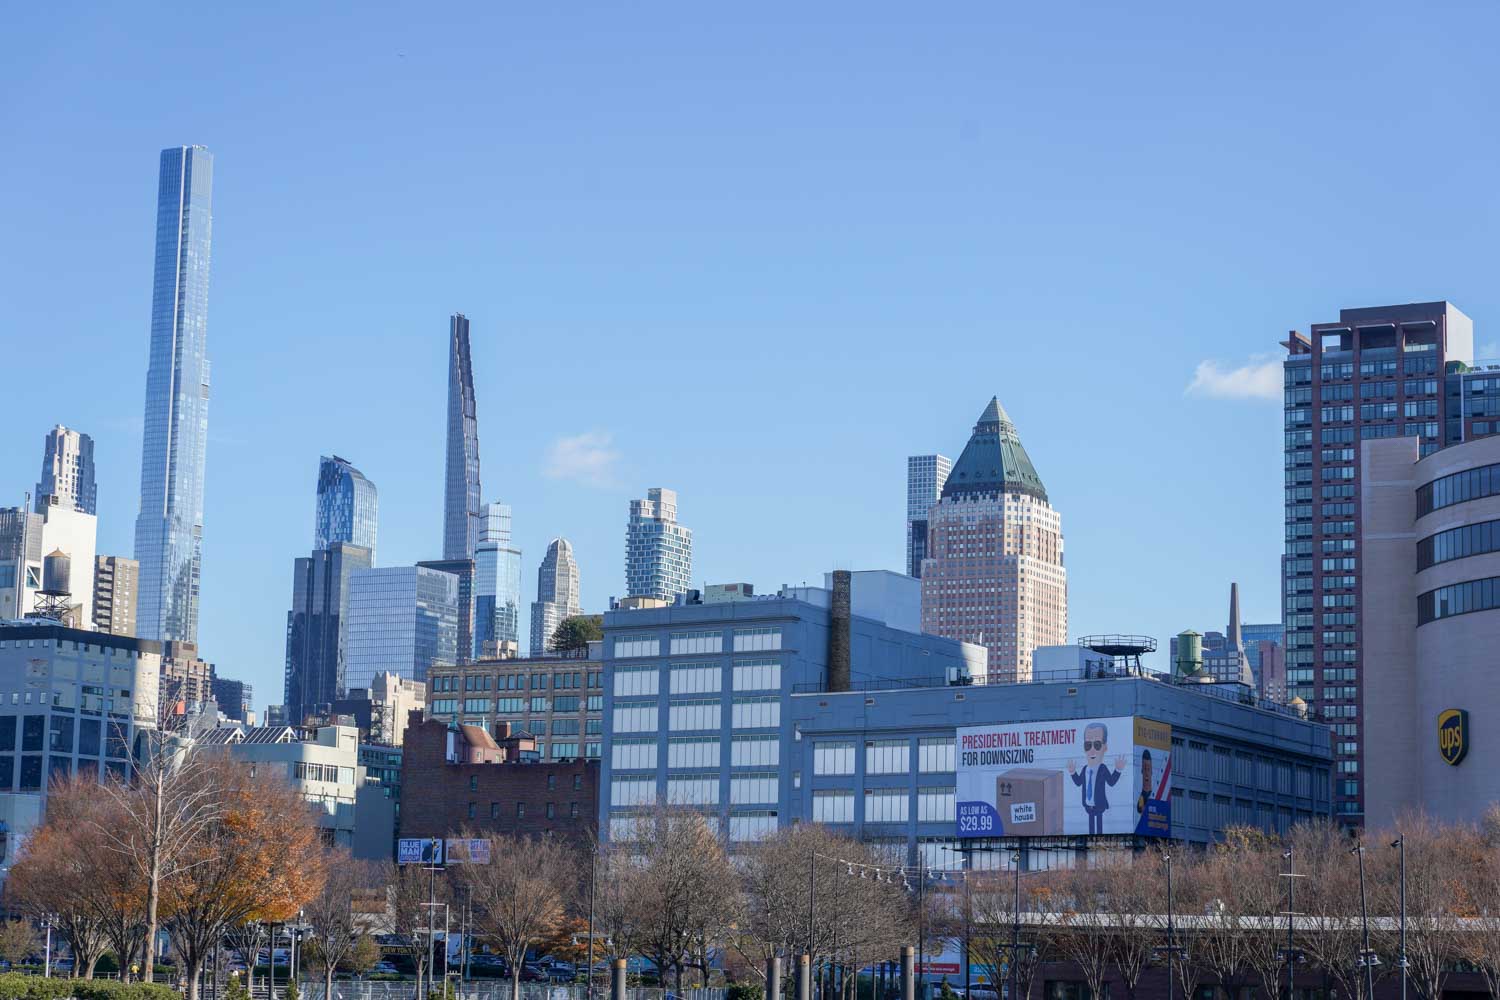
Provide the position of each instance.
(1068, 777)
(468, 852)
(419, 851)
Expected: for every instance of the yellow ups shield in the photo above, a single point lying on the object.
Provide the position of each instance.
(1453, 734)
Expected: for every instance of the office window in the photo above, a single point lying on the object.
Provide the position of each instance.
(757, 640)
(698, 790)
(751, 825)
(936, 805)
(696, 678)
(539, 704)
(632, 792)
(636, 645)
(757, 712)
(755, 751)
(935, 754)
(633, 681)
(753, 789)
(635, 717)
(693, 752)
(757, 675)
(510, 706)
(478, 706)
(565, 703)
(886, 805)
(694, 713)
(887, 757)
(834, 805)
(687, 643)
(833, 757)
(633, 755)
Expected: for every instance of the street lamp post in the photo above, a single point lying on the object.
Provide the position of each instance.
(1015, 927)
(968, 851)
(593, 879)
(1290, 955)
(1401, 844)
(1366, 956)
(47, 955)
(1170, 949)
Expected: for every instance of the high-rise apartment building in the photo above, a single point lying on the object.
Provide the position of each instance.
(461, 473)
(67, 472)
(556, 594)
(658, 550)
(402, 619)
(169, 527)
(1387, 371)
(115, 582)
(348, 506)
(497, 585)
(235, 699)
(994, 571)
(317, 627)
(925, 476)
(187, 680)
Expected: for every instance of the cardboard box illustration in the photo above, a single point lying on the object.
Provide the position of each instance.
(1030, 802)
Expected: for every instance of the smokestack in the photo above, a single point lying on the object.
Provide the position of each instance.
(1235, 640)
(838, 631)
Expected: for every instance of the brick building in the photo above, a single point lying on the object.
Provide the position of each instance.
(442, 794)
(557, 699)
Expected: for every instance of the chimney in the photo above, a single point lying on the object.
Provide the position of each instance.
(838, 631)
(1233, 636)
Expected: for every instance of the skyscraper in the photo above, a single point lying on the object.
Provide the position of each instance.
(116, 581)
(169, 527)
(403, 619)
(67, 472)
(348, 506)
(658, 550)
(1379, 372)
(461, 475)
(497, 585)
(925, 476)
(317, 627)
(556, 594)
(994, 569)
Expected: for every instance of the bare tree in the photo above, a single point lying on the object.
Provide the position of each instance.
(1132, 900)
(1482, 942)
(1329, 900)
(1085, 936)
(246, 938)
(18, 941)
(336, 932)
(520, 897)
(410, 888)
(1227, 922)
(1443, 865)
(993, 902)
(1248, 865)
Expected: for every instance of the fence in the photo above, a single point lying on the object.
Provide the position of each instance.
(496, 989)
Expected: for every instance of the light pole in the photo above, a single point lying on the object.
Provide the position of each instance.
(968, 851)
(47, 955)
(593, 879)
(1170, 949)
(1290, 954)
(1015, 926)
(1401, 843)
(1366, 956)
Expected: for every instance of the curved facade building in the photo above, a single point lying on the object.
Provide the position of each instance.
(556, 594)
(1431, 608)
(348, 506)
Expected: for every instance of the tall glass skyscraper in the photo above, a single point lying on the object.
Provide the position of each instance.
(317, 627)
(348, 506)
(497, 583)
(556, 594)
(67, 472)
(402, 619)
(461, 475)
(925, 476)
(169, 527)
(658, 550)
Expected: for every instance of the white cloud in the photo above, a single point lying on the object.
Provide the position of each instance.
(1257, 379)
(585, 458)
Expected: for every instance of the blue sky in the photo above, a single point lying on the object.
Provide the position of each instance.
(758, 255)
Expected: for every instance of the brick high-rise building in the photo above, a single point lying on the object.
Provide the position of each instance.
(115, 581)
(1387, 371)
(187, 681)
(994, 569)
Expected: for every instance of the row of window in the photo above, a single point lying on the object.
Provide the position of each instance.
(1471, 484)
(1458, 599)
(562, 680)
(745, 640)
(639, 754)
(750, 712)
(699, 678)
(935, 755)
(1458, 543)
(884, 805)
(745, 825)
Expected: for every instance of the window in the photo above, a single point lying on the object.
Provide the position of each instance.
(697, 790)
(886, 805)
(753, 789)
(564, 727)
(694, 713)
(510, 706)
(682, 643)
(477, 705)
(693, 752)
(595, 703)
(636, 645)
(751, 825)
(935, 805)
(833, 757)
(834, 805)
(633, 681)
(632, 792)
(572, 810)
(756, 712)
(539, 704)
(551, 782)
(757, 675)
(473, 782)
(633, 755)
(935, 754)
(1458, 599)
(755, 751)
(565, 703)
(1459, 487)
(696, 678)
(756, 640)
(1458, 543)
(471, 810)
(635, 717)
(520, 810)
(494, 810)
(887, 757)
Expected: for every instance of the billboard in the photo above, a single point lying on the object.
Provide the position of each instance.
(419, 851)
(1068, 777)
(468, 852)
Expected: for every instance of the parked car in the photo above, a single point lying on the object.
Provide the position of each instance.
(384, 967)
(533, 973)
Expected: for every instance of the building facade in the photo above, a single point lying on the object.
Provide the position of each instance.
(402, 619)
(461, 472)
(169, 527)
(382, 709)
(557, 700)
(557, 595)
(348, 507)
(700, 693)
(658, 550)
(236, 699)
(67, 472)
(317, 627)
(441, 794)
(187, 680)
(116, 583)
(497, 585)
(994, 569)
(925, 476)
(71, 703)
(1377, 373)
(27, 538)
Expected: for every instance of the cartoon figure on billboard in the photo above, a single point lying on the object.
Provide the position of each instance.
(1146, 784)
(1096, 777)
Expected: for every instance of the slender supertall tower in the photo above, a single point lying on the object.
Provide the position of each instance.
(461, 476)
(169, 527)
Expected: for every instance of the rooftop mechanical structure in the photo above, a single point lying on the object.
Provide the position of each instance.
(1124, 651)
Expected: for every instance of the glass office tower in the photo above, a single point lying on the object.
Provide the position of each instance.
(556, 594)
(497, 584)
(461, 474)
(169, 527)
(402, 619)
(348, 506)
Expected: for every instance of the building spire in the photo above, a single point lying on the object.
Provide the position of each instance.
(1236, 641)
(994, 460)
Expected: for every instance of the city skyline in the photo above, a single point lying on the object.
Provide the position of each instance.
(903, 172)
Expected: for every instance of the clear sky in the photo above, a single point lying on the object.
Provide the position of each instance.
(756, 254)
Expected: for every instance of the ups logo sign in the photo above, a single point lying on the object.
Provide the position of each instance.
(1453, 734)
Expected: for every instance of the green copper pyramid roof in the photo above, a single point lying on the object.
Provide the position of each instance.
(994, 461)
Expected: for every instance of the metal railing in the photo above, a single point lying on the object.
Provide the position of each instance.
(496, 989)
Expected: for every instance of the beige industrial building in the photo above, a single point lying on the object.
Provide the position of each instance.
(1430, 583)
